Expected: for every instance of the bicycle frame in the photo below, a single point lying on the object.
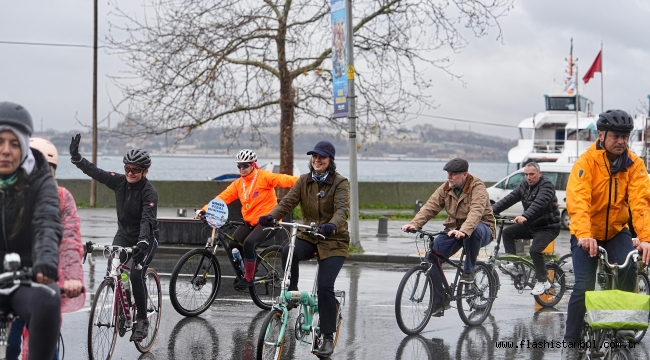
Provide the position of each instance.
(120, 297)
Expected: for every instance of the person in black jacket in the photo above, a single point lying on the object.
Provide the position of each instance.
(136, 203)
(540, 221)
(31, 227)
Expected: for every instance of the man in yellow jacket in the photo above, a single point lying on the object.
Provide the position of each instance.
(256, 191)
(605, 183)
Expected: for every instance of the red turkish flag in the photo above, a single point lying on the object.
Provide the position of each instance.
(597, 66)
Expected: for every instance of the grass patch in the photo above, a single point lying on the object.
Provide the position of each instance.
(297, 212)
(397, 216)
(356, 250)
(384, 206)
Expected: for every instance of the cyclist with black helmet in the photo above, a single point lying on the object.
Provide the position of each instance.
(30, 226)
(605, 183)
(256, 190)
(136, 203)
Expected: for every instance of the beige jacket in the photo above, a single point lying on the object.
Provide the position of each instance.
(465, 212)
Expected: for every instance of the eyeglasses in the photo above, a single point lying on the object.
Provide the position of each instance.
(243, 166)
(132, 170)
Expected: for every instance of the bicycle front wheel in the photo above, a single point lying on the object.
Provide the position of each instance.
(195, 282)
(268, 277)
(269, 342)
(102, 324)
(414, 300)
(553, 295)
(154, 310)
(474, 301)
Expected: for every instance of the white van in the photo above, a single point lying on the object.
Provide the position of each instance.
(557, 173)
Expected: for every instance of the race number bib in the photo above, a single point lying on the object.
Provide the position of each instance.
(217, 213)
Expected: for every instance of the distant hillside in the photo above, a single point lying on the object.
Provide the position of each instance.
(424, 141)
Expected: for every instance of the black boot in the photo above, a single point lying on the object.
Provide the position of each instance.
(327, 347)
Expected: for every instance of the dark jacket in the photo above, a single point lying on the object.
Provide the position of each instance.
(38, 240)
(333, 207)
(136, 204)
(539, 202)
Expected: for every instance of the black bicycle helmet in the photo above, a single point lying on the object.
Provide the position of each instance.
(617, 121)
(139, 157)
(16, 115)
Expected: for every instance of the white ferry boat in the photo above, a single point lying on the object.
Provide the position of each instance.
(550, 136)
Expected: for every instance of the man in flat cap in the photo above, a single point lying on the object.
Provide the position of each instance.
(470, 223)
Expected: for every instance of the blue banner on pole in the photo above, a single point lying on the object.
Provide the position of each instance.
(339, 58)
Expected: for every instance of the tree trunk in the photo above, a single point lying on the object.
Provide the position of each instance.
(286, 107)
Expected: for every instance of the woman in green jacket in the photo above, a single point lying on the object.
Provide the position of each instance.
(324, 198)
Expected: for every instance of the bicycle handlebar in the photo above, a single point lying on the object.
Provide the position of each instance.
(90, 246)
(311, 228)
(422, 233)
(603, 255)
(20, 278)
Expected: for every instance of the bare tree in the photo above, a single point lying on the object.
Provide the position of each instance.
(243, 63)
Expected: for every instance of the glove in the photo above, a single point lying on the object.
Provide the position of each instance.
(139, 252)
(327, 229)
(47, 270)
(74, 148)
(266, 221)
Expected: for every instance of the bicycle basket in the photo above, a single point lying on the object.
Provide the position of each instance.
(616, 309)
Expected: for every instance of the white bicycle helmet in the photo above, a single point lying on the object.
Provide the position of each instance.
(47, 149)
(246, 155)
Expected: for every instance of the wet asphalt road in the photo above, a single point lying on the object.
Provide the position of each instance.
(228, 330)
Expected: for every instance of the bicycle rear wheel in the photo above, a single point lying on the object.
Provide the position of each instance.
(558, 286)
(268, 277)
(474, 301)
(269, 343)
(195, 282)
(565, 262)
(414, 300)
(154, 310)
(644, 288)
(102, 323)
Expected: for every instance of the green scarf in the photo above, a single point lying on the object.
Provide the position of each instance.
(5, 183)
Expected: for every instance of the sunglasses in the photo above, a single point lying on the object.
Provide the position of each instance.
(243, 166)
(132, 170)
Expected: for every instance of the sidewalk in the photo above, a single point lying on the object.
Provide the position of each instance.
(100, 225)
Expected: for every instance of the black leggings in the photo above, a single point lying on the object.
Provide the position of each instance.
(328, 271)
(137, 275)
(251, 236)
(42, 311)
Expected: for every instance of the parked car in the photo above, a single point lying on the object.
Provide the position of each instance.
(557, 173)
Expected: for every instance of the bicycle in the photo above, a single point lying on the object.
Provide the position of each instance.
(608, 278)
(196, 278)
(414, 300)
(271, 339)
(525, 274)
(113, 308)
(10, 281)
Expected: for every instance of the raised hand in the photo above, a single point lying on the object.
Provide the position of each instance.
(74, 148)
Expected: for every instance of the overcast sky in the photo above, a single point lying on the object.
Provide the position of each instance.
(504, 80)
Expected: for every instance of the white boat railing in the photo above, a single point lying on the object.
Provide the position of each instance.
(548, 146)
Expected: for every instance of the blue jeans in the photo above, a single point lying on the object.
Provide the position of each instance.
(448, 246)
(584, 270)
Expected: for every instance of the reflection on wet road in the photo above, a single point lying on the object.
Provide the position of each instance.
(229, 329)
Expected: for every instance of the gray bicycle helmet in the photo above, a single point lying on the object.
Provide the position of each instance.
(246, 155)
(616, 121)
(139, 157)
(16, 115)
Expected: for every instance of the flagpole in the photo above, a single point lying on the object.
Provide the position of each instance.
(577, 117)
(602, 91)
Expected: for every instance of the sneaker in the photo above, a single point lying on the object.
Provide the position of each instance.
(467, 278)
(509, 269)
(243, 285)
(140, 330)
(438, 310)
(541, 288)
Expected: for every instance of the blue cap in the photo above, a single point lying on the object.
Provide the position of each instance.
(323, 148)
